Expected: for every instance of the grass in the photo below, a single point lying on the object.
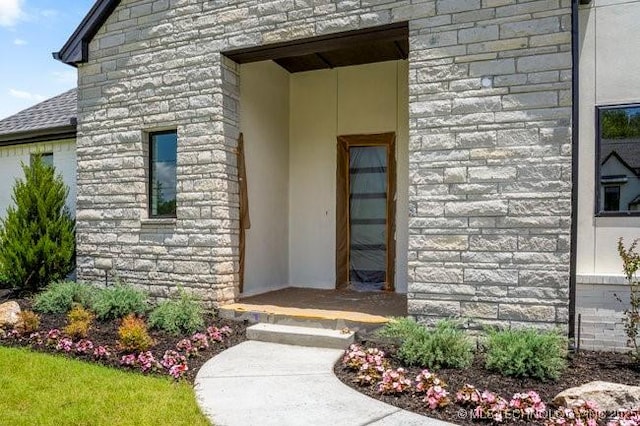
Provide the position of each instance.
(51, 390)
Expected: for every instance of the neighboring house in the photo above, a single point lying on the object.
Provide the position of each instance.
(424, 148)
(47, 129)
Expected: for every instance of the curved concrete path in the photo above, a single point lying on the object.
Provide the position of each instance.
(258, 383)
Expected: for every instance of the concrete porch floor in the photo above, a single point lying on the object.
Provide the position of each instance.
(319, 308)
(374, 303)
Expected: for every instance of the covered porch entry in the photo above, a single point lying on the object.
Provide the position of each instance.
(324, 125)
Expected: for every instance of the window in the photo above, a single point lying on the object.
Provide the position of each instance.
(618, 174)
(611, 198)
(47, 158)
(163, 148)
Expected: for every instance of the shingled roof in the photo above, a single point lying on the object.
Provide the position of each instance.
(54, 118)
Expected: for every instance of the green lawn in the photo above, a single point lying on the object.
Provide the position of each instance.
(39, 389)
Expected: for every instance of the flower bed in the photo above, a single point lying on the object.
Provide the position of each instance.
(178, 356)
(474, 395)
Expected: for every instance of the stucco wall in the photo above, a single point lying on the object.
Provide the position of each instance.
(64, 160)
(264, 121)
(324, 104)
(608, 35)
(292, 183)
(607, 77)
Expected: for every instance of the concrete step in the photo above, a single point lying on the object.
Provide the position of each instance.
(312, 318)
(300, 336)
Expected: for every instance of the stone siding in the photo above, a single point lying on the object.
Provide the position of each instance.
(601, 312)
(490, 146)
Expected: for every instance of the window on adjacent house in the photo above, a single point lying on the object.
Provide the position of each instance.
(612, 198)
(162, 173)
(618, 174)
(47, 158)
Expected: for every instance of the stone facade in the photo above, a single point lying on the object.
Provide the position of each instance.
(490, 146)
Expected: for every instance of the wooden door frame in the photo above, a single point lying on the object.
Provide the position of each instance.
(345, 142)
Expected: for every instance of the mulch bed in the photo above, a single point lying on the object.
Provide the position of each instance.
(582, 368)
(106, 334)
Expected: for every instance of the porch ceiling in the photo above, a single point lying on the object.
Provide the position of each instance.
(378, 44)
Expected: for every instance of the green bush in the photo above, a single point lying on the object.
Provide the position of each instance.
(401, 328)
(37, 235)
(526, 353)
(444, 346)
(118, 301)
(182, 315)
(59, 298)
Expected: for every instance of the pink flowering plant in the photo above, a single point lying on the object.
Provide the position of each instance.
(468, 395)
(394, 382)
(218, 334)
(581, 413)
(369, 363)
(147, 362)
(101, 352)
(84, 346)
(65, 345)
(200, 341)
(53, 336)
(436, 397)
(186, 346)
(528, 404)
(434, 388)
(491, 407)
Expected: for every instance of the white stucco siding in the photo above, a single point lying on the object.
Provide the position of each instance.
(290, 124)
(324, 104)
(264, 121)
(11, 158)
(608, 38)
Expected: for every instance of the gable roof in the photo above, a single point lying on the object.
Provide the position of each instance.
(54, 118)
(75, 50)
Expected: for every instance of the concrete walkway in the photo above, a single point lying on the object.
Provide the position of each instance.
(258, 383)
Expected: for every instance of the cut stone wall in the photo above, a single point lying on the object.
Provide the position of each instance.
(490, 162)
(601, 312)
(490, 147)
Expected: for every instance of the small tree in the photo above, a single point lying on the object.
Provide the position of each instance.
(37, 237)
(631, 264)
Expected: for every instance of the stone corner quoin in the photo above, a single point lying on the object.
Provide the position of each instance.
(489, 151)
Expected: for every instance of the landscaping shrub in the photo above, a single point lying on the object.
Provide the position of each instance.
(401, 328)
(133, 335)
(37, 235)
(443, 346)
(526, 353)
(79, 322)
(631, 319)
(59, 298)
(182, 315)
(28, 322)
(118, 301)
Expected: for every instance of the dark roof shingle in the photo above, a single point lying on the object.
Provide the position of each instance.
(59, 111)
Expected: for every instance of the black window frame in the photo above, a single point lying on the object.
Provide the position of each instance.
(600, 212)
(150, 191)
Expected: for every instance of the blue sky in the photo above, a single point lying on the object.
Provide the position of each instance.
(29, 31)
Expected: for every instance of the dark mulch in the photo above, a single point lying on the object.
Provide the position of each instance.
(582, 368)
(106, 334)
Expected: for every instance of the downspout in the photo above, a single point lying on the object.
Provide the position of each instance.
(575, 75)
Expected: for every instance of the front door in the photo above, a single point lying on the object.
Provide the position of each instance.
(366, 212)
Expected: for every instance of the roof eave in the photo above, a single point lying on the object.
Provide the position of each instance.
(41, 135)
(75, 50)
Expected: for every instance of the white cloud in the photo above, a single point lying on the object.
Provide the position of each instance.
(20, 42)
(10, 12)
(28, 96)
